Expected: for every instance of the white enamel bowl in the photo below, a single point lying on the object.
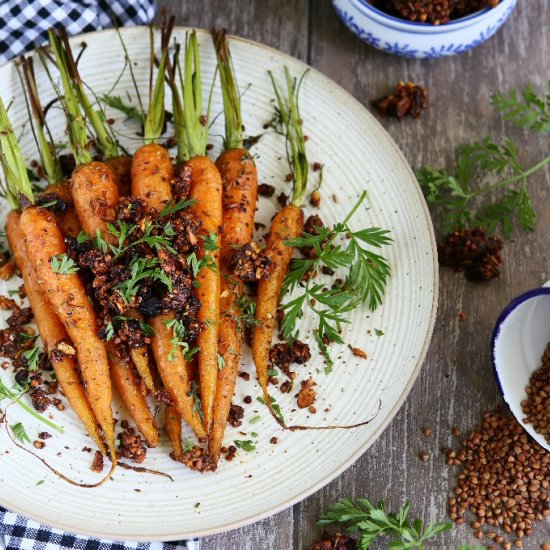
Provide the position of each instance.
(520, 337)
(421, 40)
(358, 154)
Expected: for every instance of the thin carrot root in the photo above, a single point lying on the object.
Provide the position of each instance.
(68, 298)
(206, 189)
(54, 336)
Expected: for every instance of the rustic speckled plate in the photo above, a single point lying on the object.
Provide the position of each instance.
(358, 154)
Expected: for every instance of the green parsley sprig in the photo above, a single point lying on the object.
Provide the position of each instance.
(367, 274)
(489, 184)
(62, 264)
(372, 522)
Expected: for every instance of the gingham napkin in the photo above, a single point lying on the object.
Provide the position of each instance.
(23, 25)
(24, 534)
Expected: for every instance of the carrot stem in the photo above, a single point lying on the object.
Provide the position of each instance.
(230, 93)
(295, 140)
(15, 171)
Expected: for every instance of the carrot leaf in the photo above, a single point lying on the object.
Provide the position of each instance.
(336, 248)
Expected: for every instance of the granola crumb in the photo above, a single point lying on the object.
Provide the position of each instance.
(357, 352)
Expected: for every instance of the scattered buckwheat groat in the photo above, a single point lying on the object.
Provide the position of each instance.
(536, 407)
(504, 481)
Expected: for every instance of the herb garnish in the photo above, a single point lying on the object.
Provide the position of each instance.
(15, 395)
(275, 406)
(188, 445)
(110, 327)
(33, 358)
(62, 264)
(372, 522)
(246, 445)
(365, 281)
(20, 433)
(494, 162)
(116, 102)
(197, 404)
(177, 341)
(530, 111)
(221, 362)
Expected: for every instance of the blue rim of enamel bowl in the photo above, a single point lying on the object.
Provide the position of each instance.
(510, 308)
(417, 27)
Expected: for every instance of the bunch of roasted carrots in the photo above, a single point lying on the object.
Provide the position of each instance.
(212, 203)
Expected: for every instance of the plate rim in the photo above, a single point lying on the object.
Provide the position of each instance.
(338, 470)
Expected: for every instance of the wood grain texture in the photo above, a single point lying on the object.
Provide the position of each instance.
(456, 384)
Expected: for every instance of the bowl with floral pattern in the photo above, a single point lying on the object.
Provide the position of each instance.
(421, 40)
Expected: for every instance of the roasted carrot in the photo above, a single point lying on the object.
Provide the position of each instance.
(67, 219)
(94, 187)
(121, 168)
(95, 196)
(171, 365)
(105, 140)
(67, 296)
(206, 189)
(56, 341)
(152, 172)
(287, 224)
(172, 423)
(128, 385)
(240, 191)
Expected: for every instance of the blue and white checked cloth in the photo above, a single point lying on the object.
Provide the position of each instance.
(24, 24)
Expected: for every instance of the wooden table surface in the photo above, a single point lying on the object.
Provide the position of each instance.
(456, 384)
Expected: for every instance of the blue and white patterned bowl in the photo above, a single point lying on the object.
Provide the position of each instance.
(421, 40)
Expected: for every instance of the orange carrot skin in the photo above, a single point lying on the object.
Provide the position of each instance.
(67, 296)
(52, 332)
(206, 189)
(121, 167)
(174, 373)
(152, 172)
(172, 423)
(128, 384)
(68, 221)
(240, 192)
(95, 196)
(287, 224)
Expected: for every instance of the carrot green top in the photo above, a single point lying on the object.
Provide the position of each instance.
(292, 129)
(230, 93)
(15, 171)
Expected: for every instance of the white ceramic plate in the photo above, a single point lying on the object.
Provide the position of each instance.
(358, 154)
